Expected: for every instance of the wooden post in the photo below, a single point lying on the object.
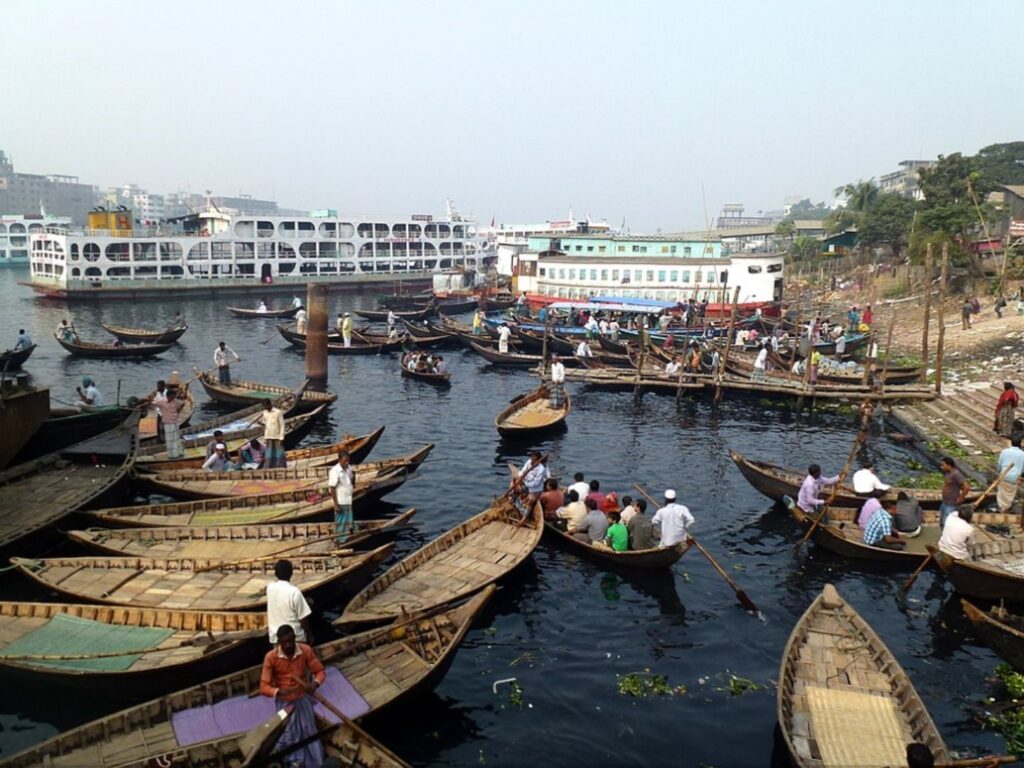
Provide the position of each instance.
(728, 344)
(544, 354)
(316, 336)
(872, 297)
(642, 323)
(941, 318)
(888, 347)
(929, 265)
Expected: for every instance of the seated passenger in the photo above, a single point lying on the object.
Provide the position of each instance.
(572, 514)
(957, 534)
(641, 531)
(879, 532)
(908, 516)
(593, 528)
(219, 461)
(551, 499)
(617, 536)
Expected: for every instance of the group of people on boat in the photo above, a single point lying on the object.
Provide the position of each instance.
(267, 453)
(600, 518)
(424, 362)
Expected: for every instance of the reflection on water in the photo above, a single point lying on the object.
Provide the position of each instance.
(564, 626)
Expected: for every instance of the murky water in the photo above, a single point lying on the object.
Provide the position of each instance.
(564, 627)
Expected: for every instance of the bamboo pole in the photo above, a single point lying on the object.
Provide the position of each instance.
(888, 348)
(728, 345)
(929, 265)
(941, 318)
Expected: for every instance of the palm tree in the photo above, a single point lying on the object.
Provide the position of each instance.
(786, 230)
(860, 196)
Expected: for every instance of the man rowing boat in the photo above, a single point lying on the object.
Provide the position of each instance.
(287, 670)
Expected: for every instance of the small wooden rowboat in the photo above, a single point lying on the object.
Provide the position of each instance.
(240, 392)
(80, 348)
(458, 563)
(995, 570)
(235, 542)
(203, 484)
(67, 426)
(13, 359)
(508, 359)
(299, 458)
(294, 505)
(531, 414)
(1001, 630)
(202, 585)
(836, 671)
(844, 537)
(144, 335)
(100, 644)
(437, 379)
(381, 315)
(361, 345)
(38, 493)
(250, 314)
(355, 748)
(775, 482)
(365, 673)
(657, 557)
(227, 423)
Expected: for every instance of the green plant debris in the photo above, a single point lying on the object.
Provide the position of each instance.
(646, 683)
(491, 631)
(914, 465)
(947, 445)
(1012, 681)
(928, 481)
(737, 686)
(515, 695)
(1010, 723)
(739, 567)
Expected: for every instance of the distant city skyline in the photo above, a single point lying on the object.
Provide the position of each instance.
(656, 112)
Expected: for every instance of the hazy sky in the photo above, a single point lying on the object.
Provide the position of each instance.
(514, 109)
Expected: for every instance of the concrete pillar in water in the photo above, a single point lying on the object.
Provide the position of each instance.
(316, 336)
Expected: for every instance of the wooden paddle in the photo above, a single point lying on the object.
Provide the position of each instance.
(861, 434)
(740, 594)
(910, 582)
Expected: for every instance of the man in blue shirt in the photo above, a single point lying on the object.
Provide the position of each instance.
(879, 533)
(1012, 457)
(24, 342)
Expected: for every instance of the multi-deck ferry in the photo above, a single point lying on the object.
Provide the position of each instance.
(228, 252)
(15, 232)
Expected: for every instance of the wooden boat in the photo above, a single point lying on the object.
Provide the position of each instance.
(210, 585)
(499, 302)
(835, 672)
(381, 315)
(615, 347)
(890, 375)
(144, 335)
(13, 359)
(360, 346)
(298, 458)
(437, 379)
(365, 673)
(775, 482)
(1001, 631)
(454, 306)
(995, 570)
(843, 536)
(227, 423)
(40, 492)
(427, 330)
(250, 314)
(67, 426)
(534, 343)
(453, 566)
(353, 747)
(510, 359)
(531, 414)
(235, 542)
(241, 392)
(204, 484)
(657, 557)
(80, 348)
(100, 644)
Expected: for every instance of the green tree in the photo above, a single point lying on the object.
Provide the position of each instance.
(839, 220)
(859, 196)
(888, 221)
(1001, 163)
(785, 230)
(807, 210)
(804, 247)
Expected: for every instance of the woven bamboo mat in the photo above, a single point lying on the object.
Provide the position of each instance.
(856, 729)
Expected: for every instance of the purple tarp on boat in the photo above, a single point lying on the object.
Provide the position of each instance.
(241, 713)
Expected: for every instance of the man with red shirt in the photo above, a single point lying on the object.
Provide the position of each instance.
(286, 677)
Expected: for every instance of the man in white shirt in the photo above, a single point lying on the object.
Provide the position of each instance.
(759, 364)
(504, 332)
(392, 319)
(286, 605)
(557, 398)
(533, 476)
(583, 349)
(673, 519)
(296, 302)
(672, 369)
(301, 318)
(580, 485)
(865, 481)
(341, 481)
(222, 358)
(263, 306)
(613, 329)
(957, 534)
(88, 395)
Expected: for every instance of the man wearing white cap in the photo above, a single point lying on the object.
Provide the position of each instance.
(218, 461)
(346, 330)
(673, 519)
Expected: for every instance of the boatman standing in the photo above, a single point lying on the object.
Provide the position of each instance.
(533, 475)
(392, 320)
(504, 332)
(557, 398)
(169, 407)
(346, 329)
(301, 318)
(342, 482)
(673, 519)
(222, 358)
(273, 436)
(296, 302)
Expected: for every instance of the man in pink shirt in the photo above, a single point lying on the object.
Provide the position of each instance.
(871, 506)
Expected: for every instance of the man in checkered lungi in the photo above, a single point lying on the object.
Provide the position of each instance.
(557, 396)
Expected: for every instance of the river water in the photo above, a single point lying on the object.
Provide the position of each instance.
(564, 627)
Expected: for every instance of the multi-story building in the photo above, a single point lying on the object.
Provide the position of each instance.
(905, 180)
(33, 194)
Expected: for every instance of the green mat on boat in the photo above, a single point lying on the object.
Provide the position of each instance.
(65, 635)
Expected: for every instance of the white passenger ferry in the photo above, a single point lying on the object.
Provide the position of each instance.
(229, 252)
(15, 232)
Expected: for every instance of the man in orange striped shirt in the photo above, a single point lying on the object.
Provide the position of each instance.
(286, 676)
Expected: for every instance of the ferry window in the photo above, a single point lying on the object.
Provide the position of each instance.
(145, 251)
(686, 250)
(119, 271)
(674, 276)
(220, 250)
(306, 229)
(604, 274)
(711, 277)
(328, 229)
(661, 275)
(590, 249)
(708, 249)
(74, 251)
(777, 267)
(572, 274)
(117, 252)
(76, 272)
(636, 249)
(287, 228)
(169, 251)
(346, 230)
(673, 249)
(650, 275)
(561, 274)
(307, 250)
(92, 272)
(285, 251)
(754, 270)
(543, 271)
(593, 274)
(327, 250)
(686, 275)
(264, 228)
(615, 274)
(414, 231)
(637, 275)
(622, 248)
(601, 249)
(664, 249)
(265, 250)
(579, 247)
(643, 249)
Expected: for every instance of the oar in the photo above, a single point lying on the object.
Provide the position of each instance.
(910, 582)
(740, 594)
(864, 421)
(981, 762)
